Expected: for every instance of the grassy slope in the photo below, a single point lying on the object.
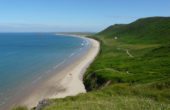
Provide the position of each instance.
(119, 82)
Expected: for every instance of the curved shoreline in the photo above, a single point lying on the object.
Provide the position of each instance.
(69, 80)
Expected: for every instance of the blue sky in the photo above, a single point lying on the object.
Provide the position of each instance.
(75, 15)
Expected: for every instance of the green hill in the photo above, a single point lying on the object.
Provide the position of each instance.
(151, 30)
(132, 71)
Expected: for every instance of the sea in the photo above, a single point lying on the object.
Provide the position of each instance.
(25, 58)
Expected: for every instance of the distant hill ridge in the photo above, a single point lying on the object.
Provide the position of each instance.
(152, 30)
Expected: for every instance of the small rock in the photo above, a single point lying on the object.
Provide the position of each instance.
(42, 104)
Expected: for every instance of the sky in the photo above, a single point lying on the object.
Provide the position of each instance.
(75, 15)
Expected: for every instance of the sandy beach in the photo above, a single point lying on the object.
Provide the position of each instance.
(66, 82)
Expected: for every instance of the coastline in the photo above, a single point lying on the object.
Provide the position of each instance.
(67, 82)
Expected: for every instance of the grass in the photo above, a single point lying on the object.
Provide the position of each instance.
(116, 81)
(112, 97)
(20, 108)
(105, 103)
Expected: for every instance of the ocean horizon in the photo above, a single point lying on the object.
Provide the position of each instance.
(27, 58)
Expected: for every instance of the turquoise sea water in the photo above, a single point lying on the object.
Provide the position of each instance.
(26, 57)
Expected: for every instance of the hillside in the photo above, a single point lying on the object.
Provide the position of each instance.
(136, 51)
(149, 30)
(130, 73)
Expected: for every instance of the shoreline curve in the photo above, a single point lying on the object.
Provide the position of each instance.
(69, 82)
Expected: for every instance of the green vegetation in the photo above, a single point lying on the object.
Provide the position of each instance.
(119, 81)
(106, 99)
(20, 108)
(151, 30)
(132, 71)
